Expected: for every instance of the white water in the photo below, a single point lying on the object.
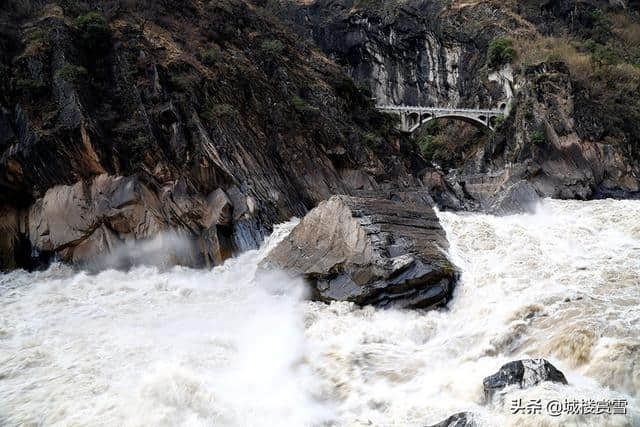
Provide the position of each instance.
(218, 348)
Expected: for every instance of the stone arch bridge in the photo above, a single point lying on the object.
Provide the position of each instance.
(411, 118)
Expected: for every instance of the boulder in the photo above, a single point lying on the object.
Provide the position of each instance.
(106, 222)
(520, 197)
(370, 251)
(461, 419)
(522, 373)
(67, 215)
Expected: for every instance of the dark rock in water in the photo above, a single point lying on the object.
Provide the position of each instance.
(461, 419)
(520, 197)
(370, 251)
(523, 373)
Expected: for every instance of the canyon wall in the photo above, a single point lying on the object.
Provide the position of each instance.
(210, 121)
(571, 131)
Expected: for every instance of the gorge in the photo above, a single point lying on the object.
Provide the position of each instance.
(319, 212)
(217, 120)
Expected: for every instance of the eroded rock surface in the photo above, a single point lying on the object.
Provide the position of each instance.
(97, 224)
(522, 373)
(461, 419)
(370, 251)
(520, 197)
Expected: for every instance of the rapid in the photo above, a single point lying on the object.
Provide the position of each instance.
(228, 347)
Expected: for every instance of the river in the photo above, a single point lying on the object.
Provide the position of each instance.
(183, 347)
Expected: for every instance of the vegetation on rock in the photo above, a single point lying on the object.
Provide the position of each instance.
(94, 30)
(537, 137)
(501, 52)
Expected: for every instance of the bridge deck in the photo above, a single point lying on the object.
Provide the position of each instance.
(405, 108)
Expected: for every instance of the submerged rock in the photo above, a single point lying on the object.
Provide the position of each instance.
(523, 373)
(461, 419)
(370, 251)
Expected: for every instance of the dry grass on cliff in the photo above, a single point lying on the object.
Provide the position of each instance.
(582, 65)
(626, 28)
(532, 51)
(607, 58)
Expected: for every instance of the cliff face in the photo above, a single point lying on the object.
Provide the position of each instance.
(211, 121)
(574, 66)
(406, 52)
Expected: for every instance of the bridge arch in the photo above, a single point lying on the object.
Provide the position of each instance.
(476, 121)
(414, 117)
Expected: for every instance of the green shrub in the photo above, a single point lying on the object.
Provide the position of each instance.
(72, 73)
(426, 147)
(211, 56)
(528, 112)
(372, 140)
(218, 111)
(596, 14)
(95, 31)
(181, 82)
(33, 87)
(357, 98)
(298, 102)
(386, 122)
(603, 55)
(272, 47)
(500, 52)
(537, 137)
(301, 105)
(434, 148)
(37, 41)
(182, 75)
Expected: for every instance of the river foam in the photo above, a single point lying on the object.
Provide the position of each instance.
(188, 348)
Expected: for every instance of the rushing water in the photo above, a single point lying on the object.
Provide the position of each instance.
(221, 348)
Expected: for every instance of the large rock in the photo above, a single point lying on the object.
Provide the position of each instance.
(520, 197)
(461, 419)
(370, 251)
(522, 373)
(116, 222)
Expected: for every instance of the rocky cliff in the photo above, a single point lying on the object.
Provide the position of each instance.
(568, 71)
(125, 120)
(407, 52)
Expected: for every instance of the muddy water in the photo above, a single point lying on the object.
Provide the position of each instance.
(224, 348)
